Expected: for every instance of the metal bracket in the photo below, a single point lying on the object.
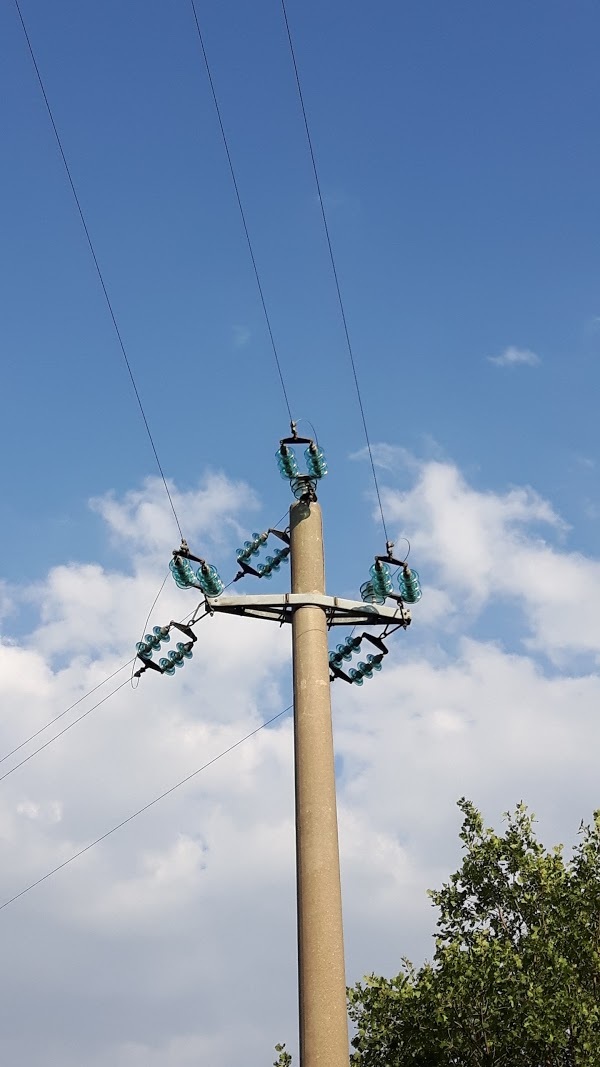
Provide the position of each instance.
(338, 612)
(391, 560)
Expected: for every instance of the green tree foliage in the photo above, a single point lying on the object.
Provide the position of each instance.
(284, 1059)
(515, 978)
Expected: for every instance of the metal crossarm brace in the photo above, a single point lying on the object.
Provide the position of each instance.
(338, 612)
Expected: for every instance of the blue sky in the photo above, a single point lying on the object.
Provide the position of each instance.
(459, 159)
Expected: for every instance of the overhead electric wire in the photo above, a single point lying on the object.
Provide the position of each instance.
(241, 207)
(129, 662)
(333, 264)
(140, 811)
(85, 695)
(66, 711)
(63, 731)
(96, 263)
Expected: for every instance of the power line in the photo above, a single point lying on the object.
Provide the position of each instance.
(64, 731)
(96, 263)
(65, 712)
(140, 811)
(85, 695)
(61, 715)
(240, 205)
(333, 265)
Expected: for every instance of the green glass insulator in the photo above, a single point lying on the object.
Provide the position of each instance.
(287, 463)
(369, 595)
(409, 585)
(356, 676)
(166, 666)
(162, 633)
(177, 574)
(381, 579)
(209, 580)
(176, 658)
(315, 461)
(366, 669)
(144, 650)
(182, 573)
(344, 652)
(251, 548)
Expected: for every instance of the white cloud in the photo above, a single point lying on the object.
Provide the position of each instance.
(587, 462)
(173, 941)
(388, 457)
(241, 336)
(484, 548)
(513, 357)
(6, 601)
(143, 517)
(394, 458)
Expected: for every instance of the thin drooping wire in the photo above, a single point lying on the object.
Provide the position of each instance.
(84, 715)
(140, 811)
(96, 264)
(240, 205)
(130, 662)
(67, 710)
(333, 265)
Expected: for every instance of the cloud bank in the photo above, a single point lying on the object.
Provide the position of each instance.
(173, 942)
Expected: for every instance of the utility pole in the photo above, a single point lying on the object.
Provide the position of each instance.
(321, 971)
(323, 1022)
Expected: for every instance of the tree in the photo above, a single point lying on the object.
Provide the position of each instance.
(284, 1059)
(515, 978)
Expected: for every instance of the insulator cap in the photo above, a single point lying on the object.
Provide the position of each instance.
(315, 461)
(345, 651)
(366, 669)
(182, 572)
(273, 563)
(287, 462)
(370, 595)
(251, 548)
(381, 579)
(209, 580)
(409, 585)
(166, 666)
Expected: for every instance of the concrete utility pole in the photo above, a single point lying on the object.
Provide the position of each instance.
(321, 972)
